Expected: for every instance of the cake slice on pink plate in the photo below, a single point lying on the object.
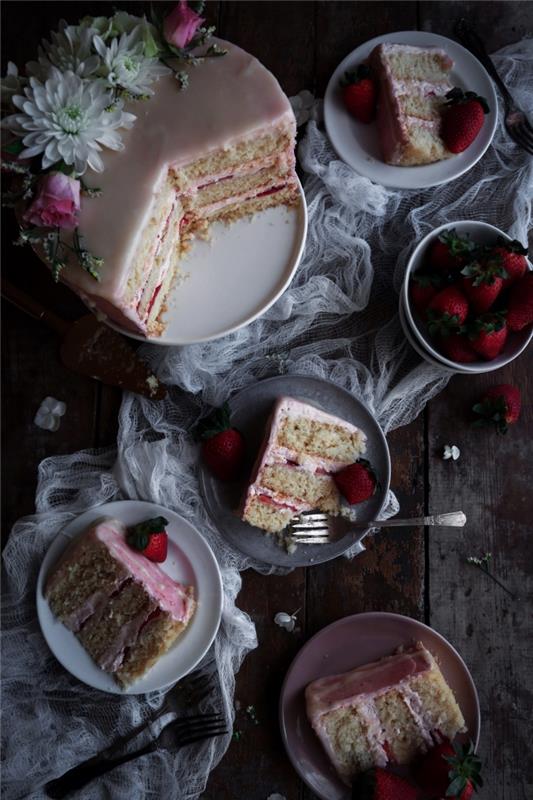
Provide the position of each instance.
(386, 712)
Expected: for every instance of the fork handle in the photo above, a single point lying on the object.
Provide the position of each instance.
(472, 42)
(79, 776)
(455, 519)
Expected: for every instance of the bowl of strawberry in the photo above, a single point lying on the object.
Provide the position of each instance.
(467, 298)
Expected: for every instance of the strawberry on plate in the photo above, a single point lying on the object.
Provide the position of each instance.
(449, 252)
(223, 446)
(448, 771)
(359, 93)
(488, 335)
(356, 482)
(499, 406)
(482, 281)
(463, 118)
(520, 303)
(150, 537)
(513, 255)
(457, 348)
(447, 311)
(380, 784)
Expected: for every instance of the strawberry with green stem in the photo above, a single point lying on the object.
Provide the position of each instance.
(359, 93)
(150, 538)
(488, 334)
(447, 312)
(223, 447)
(483, 280)
(463, 117)
(422, 289)
(514, 261)
(449, 252)
(520, 303)
(448, 771)
(499, 406)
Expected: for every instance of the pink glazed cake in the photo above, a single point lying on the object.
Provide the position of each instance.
(123, 608)
(413, 82)
(219, 150)
(303, 447)
(385, 712)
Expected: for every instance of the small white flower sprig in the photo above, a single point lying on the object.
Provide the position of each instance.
(482, 563)
(69, 106)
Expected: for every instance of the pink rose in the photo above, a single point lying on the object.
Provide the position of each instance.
(181, 25)
(57, 202)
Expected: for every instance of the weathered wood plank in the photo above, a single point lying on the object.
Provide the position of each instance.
(498, 23)
(492, 484)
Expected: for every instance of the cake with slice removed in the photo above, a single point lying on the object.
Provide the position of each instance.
(385, 712)
(303, 447)
(125, 610)
(220, 150)
(413, 82)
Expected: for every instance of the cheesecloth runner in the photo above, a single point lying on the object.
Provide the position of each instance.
(338, 321)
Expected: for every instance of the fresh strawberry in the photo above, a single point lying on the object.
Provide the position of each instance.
(150, 538)
(483, 280)
(499, 406)
(356, 482)
(449, 252)
(488, 335)
(463, 119)
(422, 289)
(359, 93)
(223, 447)
(513, 256)
(447, 311)
(449, 771)
(520, 303)
(456, 347)
(379, 784)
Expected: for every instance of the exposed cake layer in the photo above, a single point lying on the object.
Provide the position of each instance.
(232, 115)
(387, 711)
(108, 594)
(303, 447)
(412, 84)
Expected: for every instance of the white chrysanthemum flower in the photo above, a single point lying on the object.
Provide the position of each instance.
(66, 120)
(125, 65)
(12, 83)
(69, 50)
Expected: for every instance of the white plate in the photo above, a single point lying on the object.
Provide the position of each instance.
(234, 277)
(357, 144)
(190, 560)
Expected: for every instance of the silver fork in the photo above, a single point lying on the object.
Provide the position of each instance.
(176, 734)
(516, 122)
(312, 527)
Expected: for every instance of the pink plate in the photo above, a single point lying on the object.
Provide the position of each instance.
(343, 645)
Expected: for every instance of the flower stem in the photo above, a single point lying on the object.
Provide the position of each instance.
(495, 579)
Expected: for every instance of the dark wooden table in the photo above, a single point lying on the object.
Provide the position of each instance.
(415, 572)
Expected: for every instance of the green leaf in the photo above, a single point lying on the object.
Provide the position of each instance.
(138, 535)
(14, 148)
(216, 422)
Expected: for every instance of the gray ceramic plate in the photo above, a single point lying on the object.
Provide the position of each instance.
(344, 645)
(249, 413)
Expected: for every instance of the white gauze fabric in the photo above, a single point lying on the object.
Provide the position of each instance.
(338, 320)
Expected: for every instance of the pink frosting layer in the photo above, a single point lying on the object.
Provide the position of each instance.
(339, 691)
(169, 595)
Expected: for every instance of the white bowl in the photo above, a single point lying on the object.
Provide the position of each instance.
(414, 326)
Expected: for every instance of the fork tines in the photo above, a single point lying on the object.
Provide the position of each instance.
(201, 726)
(309, 527)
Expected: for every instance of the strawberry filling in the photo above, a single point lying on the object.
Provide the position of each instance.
(269, 501)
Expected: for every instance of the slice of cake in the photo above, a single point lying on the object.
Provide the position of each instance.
(125, 610)
(303, 448)
(387, 711)
(221, 149)
(413, 82)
